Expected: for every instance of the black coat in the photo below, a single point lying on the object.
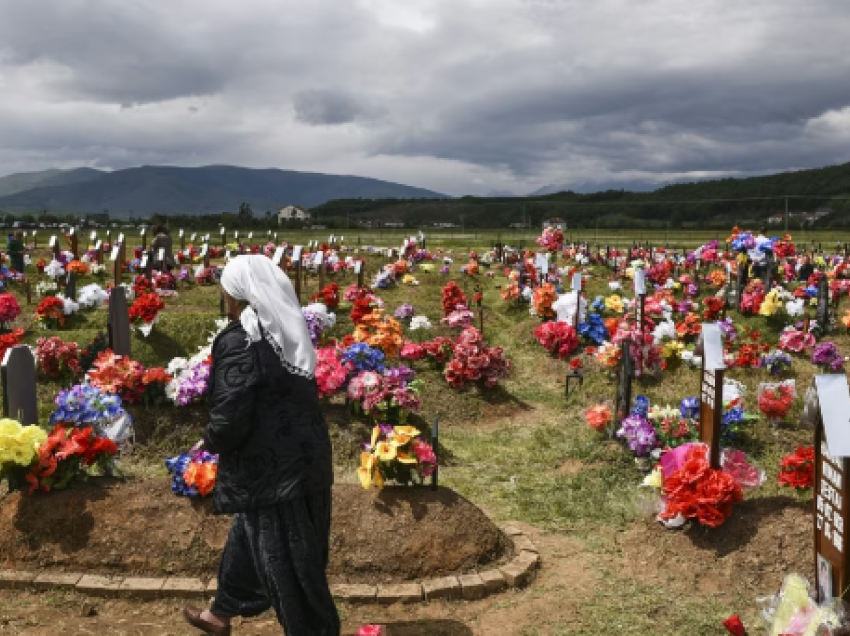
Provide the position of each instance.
(266, 424)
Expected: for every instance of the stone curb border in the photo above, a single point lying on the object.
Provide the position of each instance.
(517, 573)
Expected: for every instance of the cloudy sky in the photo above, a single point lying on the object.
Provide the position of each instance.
(461, 96)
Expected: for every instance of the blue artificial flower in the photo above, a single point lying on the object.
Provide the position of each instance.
(364, 358)
(641, 406)
(594, 329)
(598, 305)
(689, 408)
(811, 291)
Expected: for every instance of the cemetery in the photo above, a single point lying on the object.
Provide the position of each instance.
(562, 436)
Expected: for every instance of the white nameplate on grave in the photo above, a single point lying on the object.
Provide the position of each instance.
(114, 255)
(227, 255)
(319, 258)
(160, 256)
(834, 399)
(542, 263)
(296, 254)
(192, 238)
(640, 282)
(121, 237)
(93, 236)
(358, 266)
(223, 231)
(144, 230)
(250, 236)
(180, 234)
(98, 245)
(144, 262)
(712, 343)
(52, 241)
(204, 249)
(236, 235)
(278, 256)
(577, 281)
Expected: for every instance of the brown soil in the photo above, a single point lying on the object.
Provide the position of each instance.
(750, 553)
(140, 527)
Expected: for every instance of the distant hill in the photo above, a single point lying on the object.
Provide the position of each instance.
(190, 191)
(702, 204)
(23, 181)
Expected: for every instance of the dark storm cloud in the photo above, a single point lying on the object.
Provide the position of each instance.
(461, 96)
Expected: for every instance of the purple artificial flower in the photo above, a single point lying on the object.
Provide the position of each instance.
(639, 434)
(444, 269)
(827, 356)
(730, 331)
(404, 312)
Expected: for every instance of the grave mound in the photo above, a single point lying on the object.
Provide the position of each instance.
(140, 528)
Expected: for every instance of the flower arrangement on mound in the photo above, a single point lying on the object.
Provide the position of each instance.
(598, 417)
(144, 312)
(78, 267)
(776, 362)
(204, 276)
(83, 405)
(460, 318)
(473, 361)
(796, 341)
(396, 453)
(511, 293)
(10, 309)
(50, 313)
(405, 311)
(193, 474)
(775, 400)
(66, 454)
(18, 449)
(826, 356)
(329, 296)
(713, 305)
(165, 281)
(452, 296)
(675, 426)
(694, 490)
(318, 320)
(390, 395)
(543, 299)
(594, 329)
(190, 379)
(752, 297)
(608, 355)
(56, 359)
(331, 373)
(797, 470)
(127, 378)
(361, 357)
(92, 296)
(381, 332)
(364, 304)
(558, 338)
(552, 239)
(46, 288)
(142, 285)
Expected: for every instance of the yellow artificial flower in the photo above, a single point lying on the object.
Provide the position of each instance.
(677, 285)
(400, 440)
(406, 459)
(385, 451)
(427, 267)
(614, 303)
(655, 479)
(673, 349)
(406, 430)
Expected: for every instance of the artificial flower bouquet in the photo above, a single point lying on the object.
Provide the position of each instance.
(9, 340)
(558, 338)
(56, 359)
(46, 288)
(452, 296)
(385, 396)
(598, 417)
(331, 372)
(67, 454)
(318, 320)
(127, 378)
(395, 453)
(797, 470)
(543, 299)
(165, 281)
(793, 611)
(50, 313)
(828, 358)
(78, 267)
(552, 240)
(776, 399)
(381, 332)
(460, 318)
(84, 405)
(189, 379)
(473, 361)
(329, 296)
(144, 312)
(18, 450)
(193, 474)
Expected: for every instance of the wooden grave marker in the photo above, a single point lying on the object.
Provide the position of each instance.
(116, 264)
(71, 286)
(297, 262)
(831, 505)
(640, 299)
(20, 400)
(118, 322)
(73, 239)
(54, 246)
(710, 346)
(205, 255)
(822, 311)
(740, 284)
(625, 374)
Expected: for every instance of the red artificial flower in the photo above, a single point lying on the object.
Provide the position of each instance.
(452, 297)
(591, 351)
(51, 312)
(329, 296)
(575, 364)
(145, 308)
(56, 359)
(735, 626)
(797, 470)
(558, 338)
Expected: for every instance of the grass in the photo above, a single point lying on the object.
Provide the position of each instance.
(522, 451)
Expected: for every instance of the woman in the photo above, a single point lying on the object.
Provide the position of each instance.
(15, 250)
(275, 471)
(162, 241)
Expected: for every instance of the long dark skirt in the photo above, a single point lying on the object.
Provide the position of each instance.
(276, 557)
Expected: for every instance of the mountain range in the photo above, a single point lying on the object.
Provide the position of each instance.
(148, 190)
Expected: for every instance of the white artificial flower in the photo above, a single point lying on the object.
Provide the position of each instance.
(54, 269)
(565, 308)
(420, 322)
(614, 285)
(176, 365)
(128, 291)
(795, 307)
(27, 259)
(70, 307)
(92, 296)
(46, 288)
(527, 294)
(665, 329)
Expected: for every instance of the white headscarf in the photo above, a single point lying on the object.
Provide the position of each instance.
(272, 305)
